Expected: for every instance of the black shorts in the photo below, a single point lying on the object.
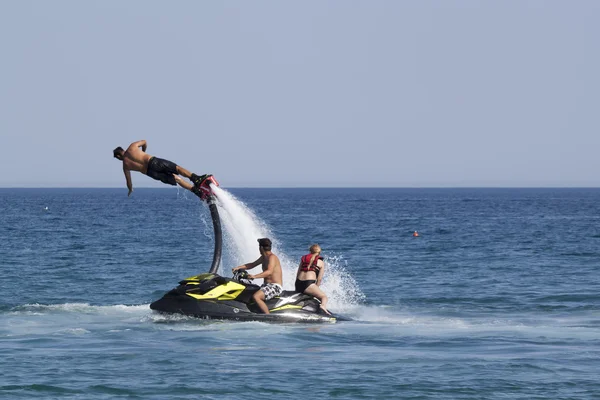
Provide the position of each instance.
(162, 170)
(301, 286)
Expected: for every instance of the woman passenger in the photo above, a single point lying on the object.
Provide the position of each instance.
(309, 275)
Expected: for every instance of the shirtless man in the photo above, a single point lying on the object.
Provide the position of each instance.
(136, 159)
(271, 274)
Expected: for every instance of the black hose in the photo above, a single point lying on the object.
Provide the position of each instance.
(214, 213)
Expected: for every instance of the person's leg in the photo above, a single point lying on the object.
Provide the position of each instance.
(316, 291)
(259, 298)
(183, 183)
(184, 172)
(196, 179)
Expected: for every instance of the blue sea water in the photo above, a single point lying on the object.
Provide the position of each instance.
(499, 298)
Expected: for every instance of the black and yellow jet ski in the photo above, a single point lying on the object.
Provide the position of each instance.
(211, 296)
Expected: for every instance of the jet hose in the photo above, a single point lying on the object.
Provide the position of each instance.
(214, 213)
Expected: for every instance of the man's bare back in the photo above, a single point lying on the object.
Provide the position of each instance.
(136, 158)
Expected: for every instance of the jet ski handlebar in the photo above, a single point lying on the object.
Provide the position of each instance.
(241, 276)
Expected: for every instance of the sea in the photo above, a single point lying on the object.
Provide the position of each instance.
(497, 298)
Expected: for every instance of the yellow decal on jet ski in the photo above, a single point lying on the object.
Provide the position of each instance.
(286, 307)
(228, 291)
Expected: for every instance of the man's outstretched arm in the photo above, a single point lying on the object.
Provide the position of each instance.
(128, 179)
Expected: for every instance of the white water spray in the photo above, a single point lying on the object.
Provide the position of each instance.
(242, 228)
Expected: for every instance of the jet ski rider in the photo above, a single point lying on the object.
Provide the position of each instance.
(309, 275)
(272, 275)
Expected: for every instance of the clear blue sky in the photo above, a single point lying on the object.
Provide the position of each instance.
(303, 93)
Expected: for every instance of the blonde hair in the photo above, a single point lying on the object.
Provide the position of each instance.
(315, 250)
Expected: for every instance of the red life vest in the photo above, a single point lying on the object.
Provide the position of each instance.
(305, 261)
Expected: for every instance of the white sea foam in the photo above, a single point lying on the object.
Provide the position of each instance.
(79, 308)
(390, 321)
(241, 229)
(73, 332)
(341, 288)
(70, 319)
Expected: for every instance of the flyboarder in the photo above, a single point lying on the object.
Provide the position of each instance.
(135, 158)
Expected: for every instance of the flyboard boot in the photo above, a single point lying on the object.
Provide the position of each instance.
(202, 185)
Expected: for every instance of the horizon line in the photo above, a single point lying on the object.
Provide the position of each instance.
(312, 187)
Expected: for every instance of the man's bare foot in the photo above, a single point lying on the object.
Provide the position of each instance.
(325, 310)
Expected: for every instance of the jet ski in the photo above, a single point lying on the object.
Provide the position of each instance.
(211, 296)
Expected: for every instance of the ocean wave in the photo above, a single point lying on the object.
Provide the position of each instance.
(78, 308)
(406, 322)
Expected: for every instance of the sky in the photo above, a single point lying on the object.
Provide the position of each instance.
(310, 93)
